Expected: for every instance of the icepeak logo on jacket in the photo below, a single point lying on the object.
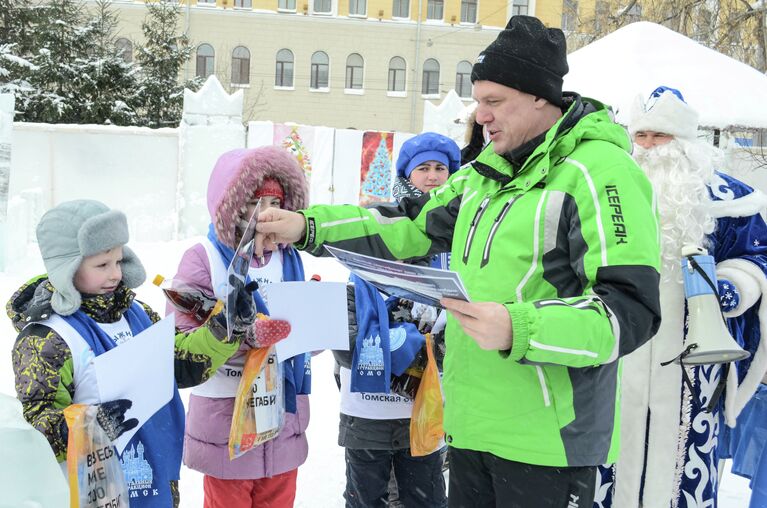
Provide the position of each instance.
(614, 201)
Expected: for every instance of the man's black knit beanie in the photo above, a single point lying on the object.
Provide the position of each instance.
(526, 56)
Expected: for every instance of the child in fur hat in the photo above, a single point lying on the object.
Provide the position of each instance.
(84, 307)
(265, 475)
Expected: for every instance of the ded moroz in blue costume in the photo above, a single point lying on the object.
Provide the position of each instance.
(669, 439)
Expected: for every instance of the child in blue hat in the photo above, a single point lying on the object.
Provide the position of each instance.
(424, 163)
(375, 417)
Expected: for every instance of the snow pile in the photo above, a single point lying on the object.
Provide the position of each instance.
(445, 118)
(636, 59)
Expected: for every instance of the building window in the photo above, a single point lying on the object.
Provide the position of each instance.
(435, 9)
(520, 7)
(430, 82)
(463, 79)
(323, 6)
(354, 70)
(401, 9)
(283, 75)
(320, 69)
(569, 15)
(397, 74)
(241, 66)
(124, 49)
(468, 11)
(358, 7)
(286, 5)
(243, 4)
(205, 58)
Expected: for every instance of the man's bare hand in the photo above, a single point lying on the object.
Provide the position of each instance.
(488, 323)
(276, 226)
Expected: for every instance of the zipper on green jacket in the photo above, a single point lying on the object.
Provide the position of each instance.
(473, 227)
(496, 224)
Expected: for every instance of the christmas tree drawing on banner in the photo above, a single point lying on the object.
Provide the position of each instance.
(376, 169)
(293, 143)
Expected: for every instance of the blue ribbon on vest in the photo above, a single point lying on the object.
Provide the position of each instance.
(380, 349)
(152, 458)
(297, 370)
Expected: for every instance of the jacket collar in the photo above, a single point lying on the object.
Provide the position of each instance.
(32, 302)
(501, 168)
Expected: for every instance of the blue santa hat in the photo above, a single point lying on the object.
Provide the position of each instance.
(425, 147)
(664, 111)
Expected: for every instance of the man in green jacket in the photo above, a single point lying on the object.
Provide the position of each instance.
(554, 233)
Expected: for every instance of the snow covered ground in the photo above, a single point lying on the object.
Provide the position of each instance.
(321, 479)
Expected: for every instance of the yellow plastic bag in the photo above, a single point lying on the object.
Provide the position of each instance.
(426, 430)
(259, 407)
(96, 478)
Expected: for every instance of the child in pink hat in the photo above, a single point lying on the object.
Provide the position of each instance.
(266, 475)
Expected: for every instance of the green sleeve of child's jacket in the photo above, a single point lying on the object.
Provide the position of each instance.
(199, 353)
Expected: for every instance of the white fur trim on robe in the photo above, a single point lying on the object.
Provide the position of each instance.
(648, 386)
(739, 395)
(746, 206)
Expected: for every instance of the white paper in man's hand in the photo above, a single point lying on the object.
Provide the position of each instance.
(316, 312)
(422, 284)
(140, 370)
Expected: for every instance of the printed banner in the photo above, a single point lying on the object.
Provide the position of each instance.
(313, 149)
(377, 167)
(342, 166)
(288, 137)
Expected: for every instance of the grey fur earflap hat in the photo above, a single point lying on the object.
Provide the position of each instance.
(74, 230)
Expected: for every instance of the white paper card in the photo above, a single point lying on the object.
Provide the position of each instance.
(316, 312)
(140, 370)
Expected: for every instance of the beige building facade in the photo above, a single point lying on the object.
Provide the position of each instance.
(363, 64)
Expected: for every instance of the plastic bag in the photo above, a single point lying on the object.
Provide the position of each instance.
(237, 272)
(96, 478)
(185, 298)
(259, 406)
(426, 430)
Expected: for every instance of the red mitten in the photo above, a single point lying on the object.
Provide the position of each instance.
(267, 332)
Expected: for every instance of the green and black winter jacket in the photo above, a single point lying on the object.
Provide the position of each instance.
(568, 242)
(42, 361)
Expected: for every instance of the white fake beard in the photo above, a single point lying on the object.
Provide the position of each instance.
(679, 172)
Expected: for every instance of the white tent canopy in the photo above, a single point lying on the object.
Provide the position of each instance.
(636, 59)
